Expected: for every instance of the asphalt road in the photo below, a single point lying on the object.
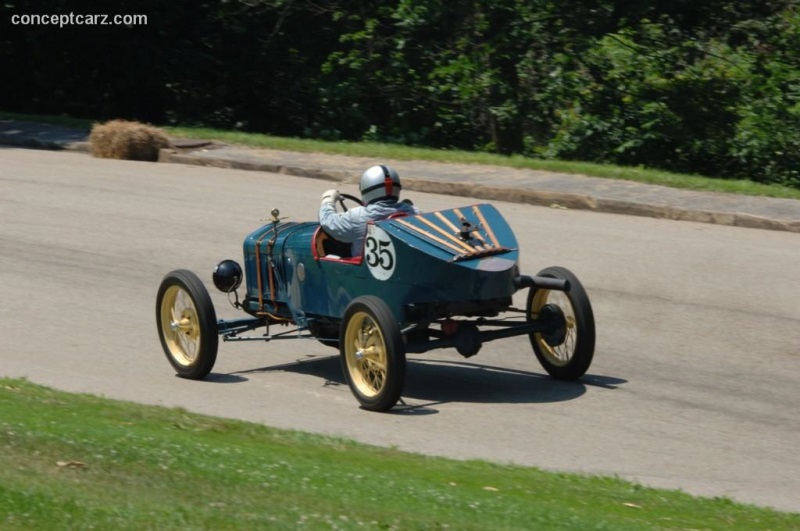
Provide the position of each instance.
(695, 384)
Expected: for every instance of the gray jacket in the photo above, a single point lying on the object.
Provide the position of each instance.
(351, 226)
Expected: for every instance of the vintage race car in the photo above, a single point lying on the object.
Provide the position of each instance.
(423, 282)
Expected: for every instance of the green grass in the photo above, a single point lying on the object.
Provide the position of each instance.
(81, 462)
(398, 152)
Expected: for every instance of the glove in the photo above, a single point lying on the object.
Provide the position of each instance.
(330, 197)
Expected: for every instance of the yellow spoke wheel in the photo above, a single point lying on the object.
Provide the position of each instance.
(372, 353)
(567, 348)
(187, 324)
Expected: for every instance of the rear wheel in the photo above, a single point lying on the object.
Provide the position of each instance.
(187, 324)
(566, 351)
(372, 354)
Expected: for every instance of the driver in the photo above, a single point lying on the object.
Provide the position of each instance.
(380, 193)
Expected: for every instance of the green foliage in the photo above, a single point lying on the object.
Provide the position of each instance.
(667, 105)
(699, 87)
(766, 138)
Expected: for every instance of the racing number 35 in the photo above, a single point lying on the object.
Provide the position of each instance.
(378, 253)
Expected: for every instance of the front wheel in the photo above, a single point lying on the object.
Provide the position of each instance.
(567, 350)
(187, 324)
(372, 353)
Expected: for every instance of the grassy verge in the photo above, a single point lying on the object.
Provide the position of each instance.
(79, 462)
(398, 152)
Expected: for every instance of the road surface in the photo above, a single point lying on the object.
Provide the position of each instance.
(695, 383)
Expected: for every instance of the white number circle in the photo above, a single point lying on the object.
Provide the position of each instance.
(379, 253)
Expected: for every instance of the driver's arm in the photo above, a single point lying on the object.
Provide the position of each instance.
(330, 197)
(345, 226)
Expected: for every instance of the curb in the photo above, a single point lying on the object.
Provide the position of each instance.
(511, 195)
(171, 156)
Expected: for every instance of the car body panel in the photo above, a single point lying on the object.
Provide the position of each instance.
(426, 259)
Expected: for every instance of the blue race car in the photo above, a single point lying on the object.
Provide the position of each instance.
(423, 282)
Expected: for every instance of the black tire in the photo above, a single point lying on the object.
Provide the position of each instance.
(566, 353)
(376, 378)
(187, 324)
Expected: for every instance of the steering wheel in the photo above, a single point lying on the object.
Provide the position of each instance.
(349, 197)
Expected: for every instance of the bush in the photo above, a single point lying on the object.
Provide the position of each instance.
(121, 139)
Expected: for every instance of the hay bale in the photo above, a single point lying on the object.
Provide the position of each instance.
(122, 139)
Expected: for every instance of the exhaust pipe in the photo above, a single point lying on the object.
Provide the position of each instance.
(555, 284)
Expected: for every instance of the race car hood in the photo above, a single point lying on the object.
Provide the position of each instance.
(468, 234)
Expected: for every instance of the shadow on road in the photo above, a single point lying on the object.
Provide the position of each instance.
(467, 382)
(437, 382)
(215, 377)
(326, 367)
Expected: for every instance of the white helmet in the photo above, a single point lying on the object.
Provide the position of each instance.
(379, 182)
